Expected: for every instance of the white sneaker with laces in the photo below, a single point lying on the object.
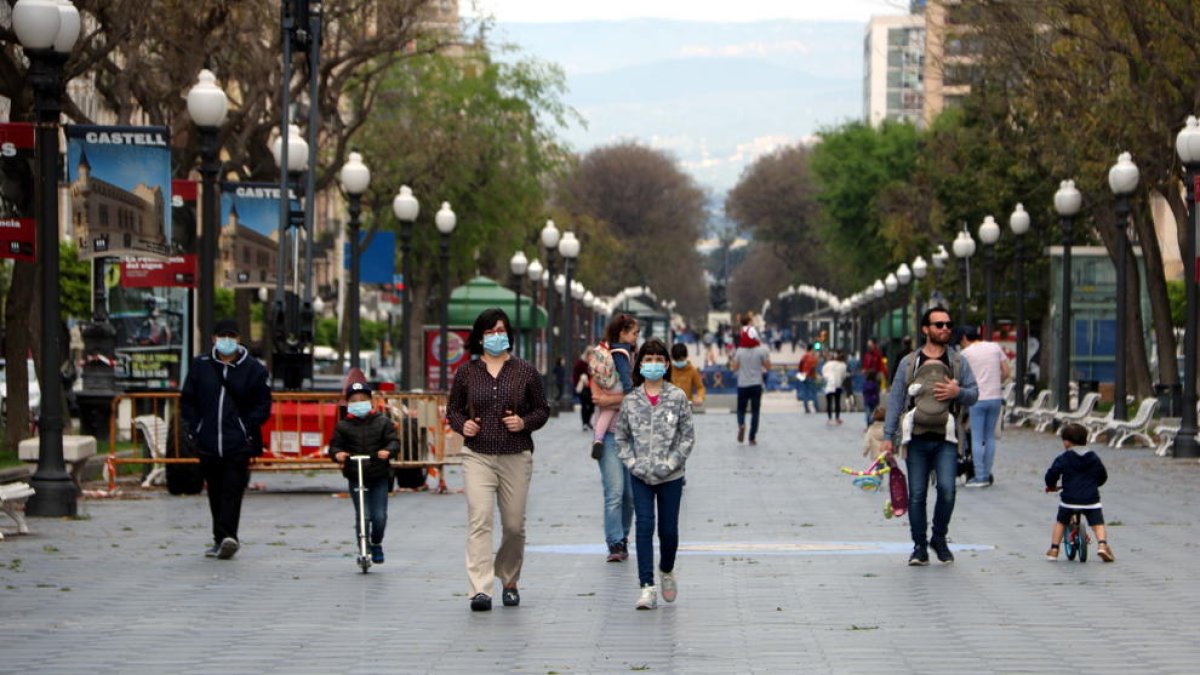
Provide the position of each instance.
(669, 588)
(648, 599)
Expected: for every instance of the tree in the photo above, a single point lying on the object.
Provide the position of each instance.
(654, 210)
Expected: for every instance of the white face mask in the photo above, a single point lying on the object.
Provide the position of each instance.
(226, 346)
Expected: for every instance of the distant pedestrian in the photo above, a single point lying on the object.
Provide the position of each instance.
(685, 375)
(654, 439)
(872, 360)
(224, 402)
(1082, 473)
(496, 402)
(750, 361)
(943, 387)
(620, 334)
(870, 392)
(873, 437)
(579, 378)
(990, 365)
(906, 347)
(808, 372)
(834, 374)
(365, 431)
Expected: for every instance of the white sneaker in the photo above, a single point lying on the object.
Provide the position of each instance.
(669, 589)
(648, 599)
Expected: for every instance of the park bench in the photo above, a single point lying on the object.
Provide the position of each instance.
(1057, 418)
(1022, 414)
(154, 433)
(76, 452)
(12, 494)
(1123, 430)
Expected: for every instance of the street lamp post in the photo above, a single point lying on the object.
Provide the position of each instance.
(1018, 222)
(550, 236)
(919, 270)
(207, 106)
(890, 284)
(989, 234)
(964, 248)
(518, 264)
(1187, 145)
(940, 258)
(1122, 180)
(406, 207)
(1067, 201)
(47, 31)
(291, 155)
(568, 248)
(904, 275)
(355, 178)
(445, 220)
(534, 272)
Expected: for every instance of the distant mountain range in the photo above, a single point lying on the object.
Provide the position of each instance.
(717, 95)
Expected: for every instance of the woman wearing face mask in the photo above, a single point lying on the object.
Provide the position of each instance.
(363, 431)
(654, 439)
(496, 402)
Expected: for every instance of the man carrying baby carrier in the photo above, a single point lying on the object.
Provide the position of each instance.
(926, 404)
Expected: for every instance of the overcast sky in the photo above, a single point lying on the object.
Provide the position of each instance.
(695, 10)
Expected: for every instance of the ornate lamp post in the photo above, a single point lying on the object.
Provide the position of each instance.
(919, 271)
(47, 31)
(878, 289)
(1122, 180)
(940, 257)
(568, 248)
(445, 220)
(406, 207)
(1018, 222)
(289, 336)
(550, 236)
(1067, 202)
(534, 271)
(890, 284)
(518, 265)
(964, 248)
(577, 291)
(207, 106)
(355, 177)
(904, 275)
(989, 234)
(1187, 145)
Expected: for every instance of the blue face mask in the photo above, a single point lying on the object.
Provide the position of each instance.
(679, 364)
(226, 346)
(654, 371)
(495, 344)
(359, 408)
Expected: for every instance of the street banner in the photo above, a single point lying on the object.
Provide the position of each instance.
(120, 184)
(18, 229)
(456, 355)
(376, 257)
(249, 231)
(179, 269)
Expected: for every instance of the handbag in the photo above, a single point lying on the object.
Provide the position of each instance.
(898, 485)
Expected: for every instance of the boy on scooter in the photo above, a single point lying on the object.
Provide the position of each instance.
(364, 431)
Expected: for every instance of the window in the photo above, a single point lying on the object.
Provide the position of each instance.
(102, 214)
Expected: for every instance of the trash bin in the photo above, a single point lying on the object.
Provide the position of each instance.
(1170, 399)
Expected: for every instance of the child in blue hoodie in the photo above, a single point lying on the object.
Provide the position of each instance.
(1082, 474)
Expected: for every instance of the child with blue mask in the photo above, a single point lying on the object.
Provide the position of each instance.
(686, 376)
(364, 431)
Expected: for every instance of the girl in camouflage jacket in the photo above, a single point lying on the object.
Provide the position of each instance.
(654, 436)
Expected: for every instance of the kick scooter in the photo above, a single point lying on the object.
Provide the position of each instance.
(364, 558)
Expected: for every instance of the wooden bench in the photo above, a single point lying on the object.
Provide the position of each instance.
(12, 494)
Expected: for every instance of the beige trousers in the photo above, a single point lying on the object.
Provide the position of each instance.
(492, 480)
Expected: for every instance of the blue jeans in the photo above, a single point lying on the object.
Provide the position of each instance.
(667, 495)
(751, 396)
(924, 458)
(376, 501)
(618, 495)
(984, 416)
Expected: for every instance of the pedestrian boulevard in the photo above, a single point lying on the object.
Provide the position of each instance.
(785, 567)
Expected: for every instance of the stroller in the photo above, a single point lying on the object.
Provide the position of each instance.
(966, 458)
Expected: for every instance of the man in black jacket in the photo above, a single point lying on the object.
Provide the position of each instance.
(224, 403)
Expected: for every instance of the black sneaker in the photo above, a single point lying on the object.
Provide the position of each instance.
(942, 550)
(597, 449)
(511, 597)
(228, 547)
(919, 557)
(211, 551)
(481, 603)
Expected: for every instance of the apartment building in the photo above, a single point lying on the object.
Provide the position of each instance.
(893, 63)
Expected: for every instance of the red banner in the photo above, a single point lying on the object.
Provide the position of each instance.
(178, 270)
(18, 229)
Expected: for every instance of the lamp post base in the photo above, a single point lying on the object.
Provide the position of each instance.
(1185, 446)
(53, 497)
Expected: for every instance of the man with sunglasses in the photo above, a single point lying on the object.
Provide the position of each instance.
(931, 451)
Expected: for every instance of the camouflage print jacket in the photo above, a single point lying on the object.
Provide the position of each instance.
(654, 441)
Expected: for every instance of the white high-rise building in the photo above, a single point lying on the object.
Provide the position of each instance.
(893, 59)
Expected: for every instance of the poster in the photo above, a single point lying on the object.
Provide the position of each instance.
(376, 257)
(456, 355)
(18, 229)
(120, 185)
(249, 240)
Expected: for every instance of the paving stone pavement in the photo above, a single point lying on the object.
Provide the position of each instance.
(785, 568)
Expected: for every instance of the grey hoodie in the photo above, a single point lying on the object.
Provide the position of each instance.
(654, 441)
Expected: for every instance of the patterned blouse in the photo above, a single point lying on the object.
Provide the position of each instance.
(475, 394)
